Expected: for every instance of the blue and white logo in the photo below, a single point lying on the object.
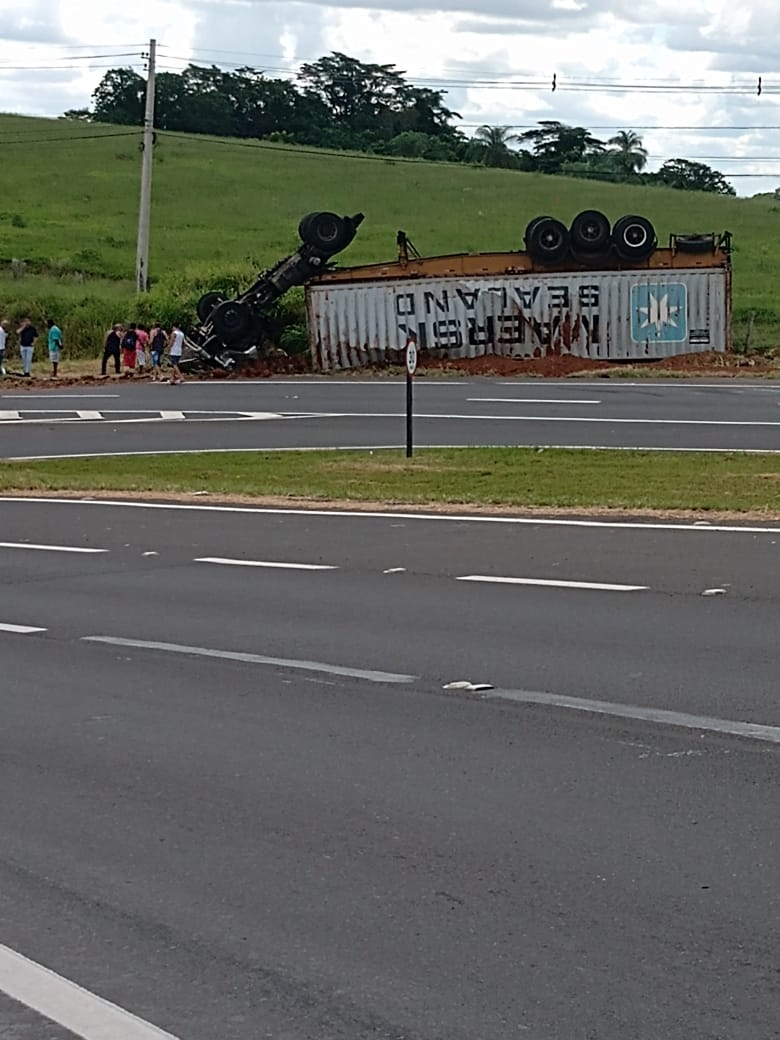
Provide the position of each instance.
(659, 312)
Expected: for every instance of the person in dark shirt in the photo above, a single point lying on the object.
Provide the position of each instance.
(111, 348)
(129, 347)
(157, 340)
(27, 334)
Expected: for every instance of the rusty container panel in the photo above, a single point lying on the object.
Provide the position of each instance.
(615, 315)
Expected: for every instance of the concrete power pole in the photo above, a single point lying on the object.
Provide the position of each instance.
(144, 214)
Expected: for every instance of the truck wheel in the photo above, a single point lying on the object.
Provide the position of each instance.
(695, 243)
(549, 241)
(326, 232)
(530, 227)
(231, 320)
(590, 232)
(206, 305)
(304, 225)
(634, 238)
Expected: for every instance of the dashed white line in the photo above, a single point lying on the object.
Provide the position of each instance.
(22, 630)
(594, 585)
(50, 548)
(274, 564)
(528, 400)
(368, 675)
(660, 716)
(76, 1009)
(89, 415)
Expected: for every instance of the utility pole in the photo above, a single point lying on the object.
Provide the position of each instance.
(144, 214)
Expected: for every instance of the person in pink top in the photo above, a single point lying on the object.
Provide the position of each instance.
(141, 343)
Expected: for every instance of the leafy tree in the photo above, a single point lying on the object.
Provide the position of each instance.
(629, 152)
(493, 146)
(120, 97)
(555, 143)
(692, 176)
(353, 92)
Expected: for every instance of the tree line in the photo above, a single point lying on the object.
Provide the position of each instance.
(342, 103)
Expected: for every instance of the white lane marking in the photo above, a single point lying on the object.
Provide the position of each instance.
(22, 630)
(529, 400)
(266, 563)
(630, 711)
(76, 1009)
(643, 384)
(49, 548)
(357, 514)
(54, 397)
(550, 419)
(279, 662)
(28, 416)
(324, 381)
(599, 586)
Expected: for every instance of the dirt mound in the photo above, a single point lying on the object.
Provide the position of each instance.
(494, 365)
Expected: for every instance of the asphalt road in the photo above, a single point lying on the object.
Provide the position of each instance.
(122, 416)
(244, 806)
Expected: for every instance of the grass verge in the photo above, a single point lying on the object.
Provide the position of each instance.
(470, 477)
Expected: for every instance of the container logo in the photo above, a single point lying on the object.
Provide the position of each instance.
(659, 312)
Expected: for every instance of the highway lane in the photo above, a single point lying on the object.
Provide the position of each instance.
(665, 645)
(234, 414)
(237, 849)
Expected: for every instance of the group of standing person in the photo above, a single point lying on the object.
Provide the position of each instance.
(28, 335)
(128, 347)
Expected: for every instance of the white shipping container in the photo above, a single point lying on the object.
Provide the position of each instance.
(616, 315)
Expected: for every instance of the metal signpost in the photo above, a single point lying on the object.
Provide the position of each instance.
(411, 365)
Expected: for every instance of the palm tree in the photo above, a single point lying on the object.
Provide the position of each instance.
(495, 141)
(628, 150)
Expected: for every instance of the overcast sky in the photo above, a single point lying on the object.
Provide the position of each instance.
(654, 66)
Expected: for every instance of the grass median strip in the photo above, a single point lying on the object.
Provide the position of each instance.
(510, 477)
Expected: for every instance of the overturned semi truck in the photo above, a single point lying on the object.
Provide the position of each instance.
(592, 289)
(231, 330)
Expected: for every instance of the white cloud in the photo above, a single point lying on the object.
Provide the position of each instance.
(592, 47)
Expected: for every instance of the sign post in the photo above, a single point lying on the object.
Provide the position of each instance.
(411, 366)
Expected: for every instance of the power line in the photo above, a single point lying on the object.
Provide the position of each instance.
(71, 137)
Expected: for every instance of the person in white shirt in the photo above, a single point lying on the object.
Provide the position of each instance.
(175, 348)
(4, 329)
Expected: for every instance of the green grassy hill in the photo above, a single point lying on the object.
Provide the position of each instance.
(70, 204)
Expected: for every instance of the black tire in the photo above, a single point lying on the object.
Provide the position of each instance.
(206, 305)
(590, 232)
(304, 224)
(530, 227)
(634, 238)
(695, 243)
(231, 320)
(326, 232)
(548, 242)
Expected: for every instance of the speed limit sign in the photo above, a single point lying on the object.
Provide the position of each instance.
(411, 357)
